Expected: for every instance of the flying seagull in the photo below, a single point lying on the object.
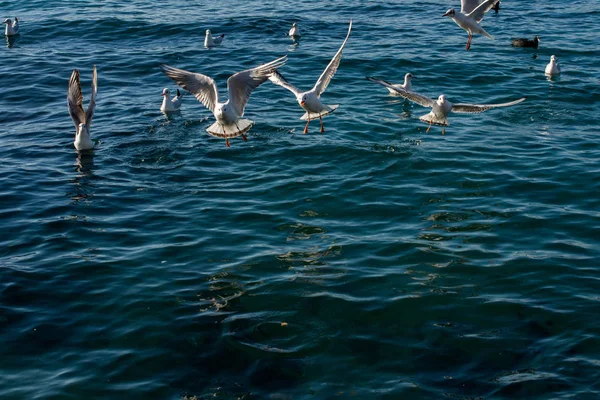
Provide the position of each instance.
(229, 114)
(470, 15)
(310, 101)
(441, 108)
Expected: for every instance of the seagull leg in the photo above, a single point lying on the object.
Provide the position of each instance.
(226, 139)
(244, 138)
(306, 127)
(469, 41)
(443, 131)
(427, 131)
(321, 119)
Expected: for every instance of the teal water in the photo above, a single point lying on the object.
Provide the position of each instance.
(375, 261)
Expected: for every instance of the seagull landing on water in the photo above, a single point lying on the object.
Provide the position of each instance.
(12, 28)
(441, 108)
(470, 15)
(405, 86)
(170, 104)
(310, 101)
(552, 68)
(212, 41)
(239, 87)
(82, 119)
(294, 32)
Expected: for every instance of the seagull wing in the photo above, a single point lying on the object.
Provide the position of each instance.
(331, 69)
(412, 96)
(278, 79)
(241, 84)
(89, 114)
(485, 6)
(201, 86)
(478, 108)
(75, 99)
(466, 6)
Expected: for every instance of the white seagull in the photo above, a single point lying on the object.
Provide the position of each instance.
(441, 107)
(12, 28)
(405, 86)
(170, 105)
(82, 119)
(294, 31)
(310, 101)
(239, 87)
(552, 68)
(212, 41)
(470, 15)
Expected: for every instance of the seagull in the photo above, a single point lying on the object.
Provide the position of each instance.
(82, 119)
(12, 28)
(527, 42)
(470, 15)
(170, 105)
(239, 87)
(442, 107)
(212, 41)
(405, 86)
(552, 68)
(310, 101)
(294, 32)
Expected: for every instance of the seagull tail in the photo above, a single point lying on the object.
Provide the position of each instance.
(230, 131)
(484, 33)
(434, 120)
(323, 113)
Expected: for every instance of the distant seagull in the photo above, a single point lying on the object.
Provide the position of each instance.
(496, 7)
(170, 105)
(552, 68)
(405, 86)
(12, 28)
(470, 15)
(442, 107)
(81, 119)
(239, 87)
(527, 42)
(294, 32)
(310, 101)
(212, 41)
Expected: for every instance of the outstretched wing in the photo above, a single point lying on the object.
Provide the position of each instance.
(75, 99)
(241, 84)
(478, 108)
(466, 6)
(201, 86)
(412, 96)
(485, 6)
(331, 69)
(89, 114)
(278, 79)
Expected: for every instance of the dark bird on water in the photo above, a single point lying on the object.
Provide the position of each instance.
(527, 42)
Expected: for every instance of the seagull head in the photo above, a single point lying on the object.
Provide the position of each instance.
(302, 100)
(442, 98)
(553, 59)
(208, 31)
(165, 92)
(82, 128)
(7, 21)
(294, 24)
(409, 76)
(450, 13)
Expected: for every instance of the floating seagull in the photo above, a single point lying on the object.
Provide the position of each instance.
(442, 107)
(405, 86)
(12, 28)
(527, 42)
(310, 101)
(552, 68)
(81, 119)
(168, 104)
(239, 87)
(471, 13)
(294, 32)
(212, 41)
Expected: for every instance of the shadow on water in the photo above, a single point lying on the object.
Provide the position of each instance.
(11, 40)
(83, 189)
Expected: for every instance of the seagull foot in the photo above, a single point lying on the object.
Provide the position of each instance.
(443, 131)
(227, 143)
(244, 138)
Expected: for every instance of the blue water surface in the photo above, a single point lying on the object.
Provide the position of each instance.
(374, 261)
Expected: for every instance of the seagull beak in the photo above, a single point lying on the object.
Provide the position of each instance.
(163, 95)
(302, 103)
(446, 14)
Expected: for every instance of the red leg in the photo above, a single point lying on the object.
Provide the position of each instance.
(427, 131)
(244, 137)
(469, 42)
(306, 127)
(227, 143)
(322, 128)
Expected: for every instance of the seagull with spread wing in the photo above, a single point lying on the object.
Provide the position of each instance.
(470, 15)
(310, 101)
(82, 119)
(239, 86)
(441, 108)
